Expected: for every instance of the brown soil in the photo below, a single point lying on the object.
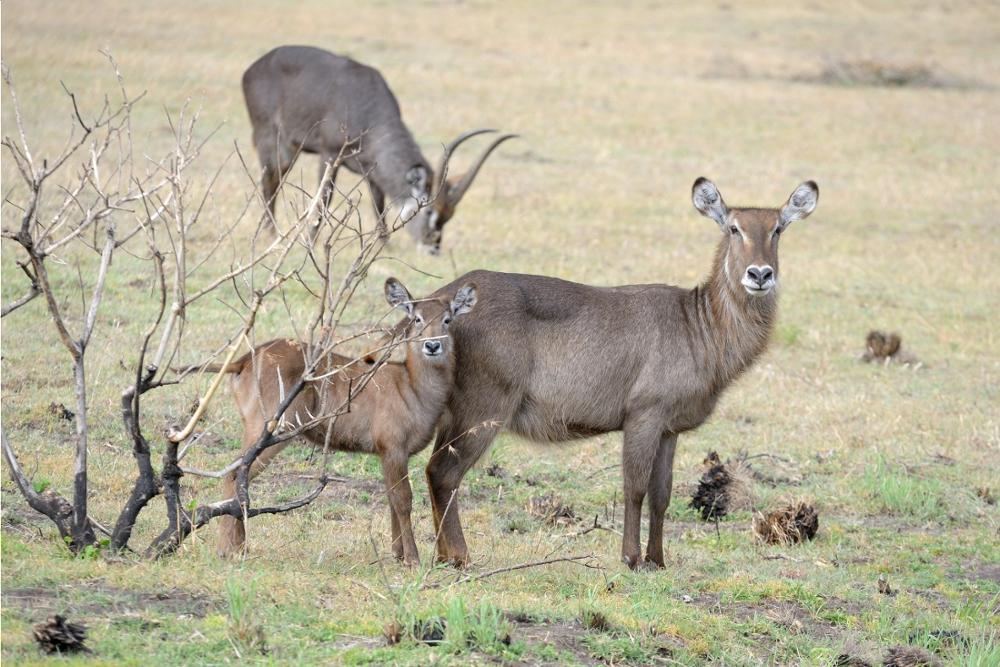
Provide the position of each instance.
(37, 603)
(564, 636)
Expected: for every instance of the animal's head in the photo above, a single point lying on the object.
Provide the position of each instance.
(428, 320)
(438, 195)
(750, 258)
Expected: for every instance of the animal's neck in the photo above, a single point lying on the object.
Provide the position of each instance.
(395, 153)
(429, 382)
(734, 325)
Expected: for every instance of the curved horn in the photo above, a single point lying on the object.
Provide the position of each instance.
(456, 193)
(448, 150)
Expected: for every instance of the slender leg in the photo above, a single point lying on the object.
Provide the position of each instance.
(445, 470)
(397, 484)
(642, 440)
(275, 160)
(232, 532)
(397, 542)
(658, 496)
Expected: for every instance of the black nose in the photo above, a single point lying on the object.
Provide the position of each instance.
(432, 346)
(760, 275)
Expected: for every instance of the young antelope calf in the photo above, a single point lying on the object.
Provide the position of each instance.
(393, 417)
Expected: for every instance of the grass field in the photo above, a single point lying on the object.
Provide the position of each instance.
(620, 108)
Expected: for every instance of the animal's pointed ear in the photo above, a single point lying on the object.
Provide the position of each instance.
(708, 201)
(398, 296)
(800, 204)
(465, 299)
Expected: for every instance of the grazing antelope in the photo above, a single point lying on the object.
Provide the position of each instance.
(553, 361)
(394, 416)
(304, 99)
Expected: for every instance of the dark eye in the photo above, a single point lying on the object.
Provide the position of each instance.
(447, 321)
(734, 230)
(418, 320)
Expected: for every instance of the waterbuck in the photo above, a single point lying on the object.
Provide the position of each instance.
(393, 416)
(302, 99)
(553, 361)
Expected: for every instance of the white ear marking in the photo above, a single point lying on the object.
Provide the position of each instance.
(398, 296)
(465, 299)
(800, 204)
(708, 200)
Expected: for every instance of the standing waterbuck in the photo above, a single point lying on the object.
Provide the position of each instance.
(306, 100)
(553, 360)
(393, 416)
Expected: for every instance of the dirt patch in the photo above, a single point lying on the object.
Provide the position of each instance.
(95, 598)
(860, 72)
(795, 619)
(883, 74)
(982, 572)
(564, 636)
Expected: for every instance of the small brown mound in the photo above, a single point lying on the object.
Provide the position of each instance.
(723, 488)
(57, 635)
(909, 656)
(551, 510)
(986, 495)
(887, 348)
(787, 525)
(883, 586)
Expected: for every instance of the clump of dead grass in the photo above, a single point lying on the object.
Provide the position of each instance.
(790, 524)
(551, 510)
(723, 488)
(57, 635)
(910, 656)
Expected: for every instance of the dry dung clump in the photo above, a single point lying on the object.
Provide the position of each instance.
(723, 488)
(57, 635)
(910, 656)
(887, 348)
(551, 510)
(787, 525)
(883, 586)
(986, 495)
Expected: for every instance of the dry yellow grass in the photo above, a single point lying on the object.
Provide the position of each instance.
(620, 108)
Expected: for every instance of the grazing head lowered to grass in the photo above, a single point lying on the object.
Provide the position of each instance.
(393, 416)
(553, 361)
(306, 100)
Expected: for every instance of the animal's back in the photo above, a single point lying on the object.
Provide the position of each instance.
(565, 360)
(311, 93)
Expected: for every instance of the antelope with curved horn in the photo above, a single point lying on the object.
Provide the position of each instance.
(302, 99)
